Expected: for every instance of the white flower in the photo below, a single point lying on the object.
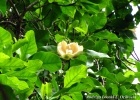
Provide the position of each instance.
(68, 51)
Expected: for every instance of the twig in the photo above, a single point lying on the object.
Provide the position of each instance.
(118, 57)
(13, 5)
(128, 61)
(98, 68)
(28, 7)
(136, 55)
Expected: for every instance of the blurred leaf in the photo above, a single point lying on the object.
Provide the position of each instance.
(83, 27)
(3, 6)
(90, 7)
(7, 93)
(59, 38)
(51, 61)
(52, 12)
(81, 59)
(138, 66)
(65, 97)
(79, 88)
(5, 39)
(95, 54)
(77, 96)
(13, 82)
(33, 65)
(74, 75)
(48, 89)
(114, 88)
(101, 46)
(49, 48)
(30, 48)
(68, 10)
(97, 22)
(19, 44)
(107, 35)
(54, 84)
(124, 91)
(7, 62)
(42, 91)
(105, 73)
(120, 77)
(42, 37)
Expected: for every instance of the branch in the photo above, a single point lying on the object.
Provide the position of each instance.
(118, 57)
(13, 5)
(136, 55)
(28, 7)
(9, 22)
(128, 61)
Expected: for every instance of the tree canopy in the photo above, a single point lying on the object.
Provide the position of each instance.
(68, 50)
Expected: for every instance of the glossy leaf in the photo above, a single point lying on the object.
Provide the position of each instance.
(3, 6)
(107, 35)
(51, 61)
(77, 96)
(74, 75)
(7, 62)
(13, 82)
(95, 54)
(30, 48)
(19, 44)
(68, 10)
(105, 73)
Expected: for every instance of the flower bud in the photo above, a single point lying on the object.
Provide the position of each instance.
(68, 51)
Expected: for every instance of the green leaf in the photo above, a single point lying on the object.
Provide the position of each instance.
(83, 27)
(95, 54)
(13, 82)
(42, 91)
(81, 59)
(77, 96)
(19, 44)
(65, 97)
(48, 89)
(33, 65)
(101, 46)
(79, 88)
(89, 7)
(7, 62)
(3, 6)
(97, 22)
(51, 61)
(114, 89)
(59, 38)
(51, 1)
(69, 10)
(138, 87)
(138, 66)
(49, 48)
(5, 37)
(54, 84)
(5, 42)
(120, 77)
(29, 72)
(124, 91)
(30, 48)
(105, 73)
(8, 92)
(74, 75)
(107, 35)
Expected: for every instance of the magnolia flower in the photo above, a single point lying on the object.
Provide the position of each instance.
(68, 51)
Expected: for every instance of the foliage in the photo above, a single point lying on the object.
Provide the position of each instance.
(30, 67)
